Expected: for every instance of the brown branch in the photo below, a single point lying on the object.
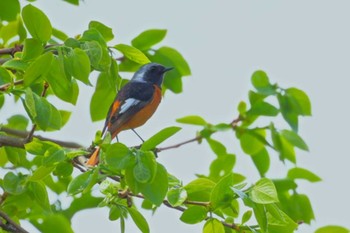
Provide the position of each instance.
(6, 86)
(10, 225)
(24, 134)
(11, 51)
(196, 139)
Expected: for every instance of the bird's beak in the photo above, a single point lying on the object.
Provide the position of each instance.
(168, 69)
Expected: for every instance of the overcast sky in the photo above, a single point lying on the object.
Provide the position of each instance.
(305, 44)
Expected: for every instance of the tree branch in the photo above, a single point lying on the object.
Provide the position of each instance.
(196, 139)
(11, 51)
(10, 225)
(9, 141)
(6, 86)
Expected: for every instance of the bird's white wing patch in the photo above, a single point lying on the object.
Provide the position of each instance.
(128, 103)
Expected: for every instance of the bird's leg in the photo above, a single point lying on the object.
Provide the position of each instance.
(138, 135)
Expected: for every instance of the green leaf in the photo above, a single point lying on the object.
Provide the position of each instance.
(92, 34)
(38, 147)
(222, 195)
(14, 184)
(147, 39)
(222, 166)
(252, 141)
(139, 220)
(199, 189)
(94, 50)
(132, 53)
(5, 76)
(289, 114)
(260, 216)
(213, 226)
(32, 49)
(59, 34)
(114, 213)
(17, 121)
(12, 9)
(74, 2)
(194, 214)
(118, 157)
(246, 216)
(264, 192)
(192, 120)
(65, 115)
(53, 156)
(159, 137)
(262, 161)
(105, 31)
(40, 195)
(55, 223)
(301, 173)
(262, 108)
(40, 173)
(284, 184)
(103, 96)
(79, 183)
(157, 189)
(332, 229)
(294, 139)
(300, 208)
(38, 69)
(44, 114)
(80, 65)
(217, 147)
(242, 107)
(299, 100)
(279, 222)
(17, 156)
(37, 23)
(63, 169)
(64, 88)
(176, 196)
(145, 168)
(262, 84)
(15, 64)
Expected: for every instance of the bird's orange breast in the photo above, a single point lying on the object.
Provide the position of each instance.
(144, 114)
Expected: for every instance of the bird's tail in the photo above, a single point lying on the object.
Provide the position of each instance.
(93, 160)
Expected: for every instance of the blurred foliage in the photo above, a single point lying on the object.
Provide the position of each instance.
(38, 60)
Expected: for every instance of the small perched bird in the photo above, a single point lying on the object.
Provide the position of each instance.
(135, 103)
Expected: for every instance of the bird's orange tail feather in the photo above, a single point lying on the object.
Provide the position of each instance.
(93, 160)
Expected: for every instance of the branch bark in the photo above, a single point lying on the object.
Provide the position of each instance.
(10, 225)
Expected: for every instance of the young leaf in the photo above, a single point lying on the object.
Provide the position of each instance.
(264, 192)
(132, 53)
(38, 69)
(199, 189)
(159, 137)
(332, 229)
(5, 76)
(105, 31)
(118, 157)
(213, 226)
(37, 23)
(262, 108)
(157, 189)
(79, 183)
(12, 9)
(252, 141)
(139, 220)
(289, 114)
(176, 196)
(192, 120)
(294, 139)
(145, 168)
(194, 214)
(222, 166)
(40, 195)
(55, 223)
(80, 65)
(40, 173)
(301, 173)
(17, 121)
(222, 194)
(262, 84)
(147, 39)
(14, 184)
(261, 161)
(300, 101)
(246, 216)
(217, 147)
(32, 48)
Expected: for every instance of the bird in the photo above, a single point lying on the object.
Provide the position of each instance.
(135, 103)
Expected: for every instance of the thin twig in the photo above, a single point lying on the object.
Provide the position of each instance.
(24, 134)
(196, 139)
(11, 51)
(10, 225)
(6, 86)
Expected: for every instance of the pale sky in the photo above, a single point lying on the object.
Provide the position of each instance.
(305, 44)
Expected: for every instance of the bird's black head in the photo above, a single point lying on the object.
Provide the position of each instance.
(151, 72)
